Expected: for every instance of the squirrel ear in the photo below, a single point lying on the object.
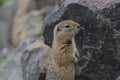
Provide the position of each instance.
(58, 29)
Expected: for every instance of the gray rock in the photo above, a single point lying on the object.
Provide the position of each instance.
(7, 12)
(4, 26)
(4, 53)
(10, 66)
(60, 2)
(11, 71)
(118, 78)
(28, 26)
(98, 43)
(30, 64)
(30, 61)
(45, 3)
(93, 4)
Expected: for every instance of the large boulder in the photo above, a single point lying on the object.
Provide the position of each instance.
(30, 60)
(98, 43)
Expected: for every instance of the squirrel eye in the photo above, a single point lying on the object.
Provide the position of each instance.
(67, 26)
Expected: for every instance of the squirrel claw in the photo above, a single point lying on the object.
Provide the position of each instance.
(77, 54)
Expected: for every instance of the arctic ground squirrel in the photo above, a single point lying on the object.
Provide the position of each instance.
(63, 58)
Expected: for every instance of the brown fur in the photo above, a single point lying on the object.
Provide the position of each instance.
(44, 61)
(61, 66)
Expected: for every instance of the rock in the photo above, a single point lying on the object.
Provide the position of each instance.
(40, 4)
(60, 2)
(10, 61)
(27, 26)
(4, 26)
(12, 14)
(3, 54)
(30, 61)
(10, 67)
(7, 12)
(98, 43)
(29, 23)
(11, 71)
(118, 78)
(93, 4)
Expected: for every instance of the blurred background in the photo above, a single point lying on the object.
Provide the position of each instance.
(23, 23)
(20, 20)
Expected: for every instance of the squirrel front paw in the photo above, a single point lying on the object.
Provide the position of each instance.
(77, 54)
(76, 59)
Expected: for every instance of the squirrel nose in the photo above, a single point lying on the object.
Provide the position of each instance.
(78, 27)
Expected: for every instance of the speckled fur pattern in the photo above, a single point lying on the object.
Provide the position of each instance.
(61, 65)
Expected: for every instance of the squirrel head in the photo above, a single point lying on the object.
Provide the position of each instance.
(66, 29)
